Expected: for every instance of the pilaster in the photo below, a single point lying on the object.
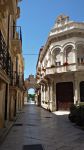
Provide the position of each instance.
(76, 89)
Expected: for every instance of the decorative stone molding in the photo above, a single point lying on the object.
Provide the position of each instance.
(18, 12)
(2, 10)
(65, 64)
(30, 82)
(62, 19)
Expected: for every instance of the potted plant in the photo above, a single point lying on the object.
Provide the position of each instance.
(65, 63)
(43, 69)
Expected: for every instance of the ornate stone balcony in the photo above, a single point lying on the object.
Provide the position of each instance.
(53, 70)
(64, 68)
(18, 12)
(12, 6)
(16, 42)
(61, 69)
(17, 79)
(21, 80)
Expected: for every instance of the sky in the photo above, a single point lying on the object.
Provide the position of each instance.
(37, 19)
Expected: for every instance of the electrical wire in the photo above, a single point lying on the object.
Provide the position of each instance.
(30, 54)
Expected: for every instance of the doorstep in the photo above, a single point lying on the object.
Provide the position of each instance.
(61, 112)
(8, 125)
(4, 131)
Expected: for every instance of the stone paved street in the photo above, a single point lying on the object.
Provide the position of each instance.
(38, 126)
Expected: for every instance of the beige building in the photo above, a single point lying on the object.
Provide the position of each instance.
(60, 66)
(11, 61)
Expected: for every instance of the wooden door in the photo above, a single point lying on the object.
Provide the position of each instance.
(64, 95)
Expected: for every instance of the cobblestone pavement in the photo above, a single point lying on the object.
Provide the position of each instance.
(38, 126)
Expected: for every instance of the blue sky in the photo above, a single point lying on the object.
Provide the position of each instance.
(37, 18)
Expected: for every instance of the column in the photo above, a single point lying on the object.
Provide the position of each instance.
(48, 95)
(17, 101)
(51, 95)
(76, 90)
(44, 93)
(42, 97)
(8, 102)
(2, 104)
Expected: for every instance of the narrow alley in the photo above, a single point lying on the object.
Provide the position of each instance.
(36, 126)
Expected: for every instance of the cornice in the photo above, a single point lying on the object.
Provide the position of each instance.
(64, 31)
(59, 37)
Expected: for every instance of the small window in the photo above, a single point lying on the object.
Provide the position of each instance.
(58, 63)
(81, 60)
(78, 60)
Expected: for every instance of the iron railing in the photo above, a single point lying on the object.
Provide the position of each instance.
(17, 33)
(17, 79)
(5, 59)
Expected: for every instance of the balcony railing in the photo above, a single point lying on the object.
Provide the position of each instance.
(17, 79)
(5, 59)
(14, 79)
(61, 69)
(17, 33)
(16, 41)
(21, 80)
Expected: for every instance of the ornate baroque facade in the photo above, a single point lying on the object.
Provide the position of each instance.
(11, 62)
(60, 66)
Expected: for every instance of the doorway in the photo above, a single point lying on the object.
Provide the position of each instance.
(64, 95)
(82, 91)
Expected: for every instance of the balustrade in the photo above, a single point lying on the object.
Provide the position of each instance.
(17, 79)
(5, 59)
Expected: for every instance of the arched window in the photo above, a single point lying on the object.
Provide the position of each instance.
(69, 55)
(80, 53)
(56, 56)
(45, 63)
(48, 64)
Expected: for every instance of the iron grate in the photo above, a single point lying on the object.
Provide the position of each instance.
(18, 124)
(48, 117)
(33, 147)
(31, 124)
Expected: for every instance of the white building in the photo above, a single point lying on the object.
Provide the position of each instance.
(60, 66)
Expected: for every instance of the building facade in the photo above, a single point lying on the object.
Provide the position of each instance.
(60, 66)
(11, 62)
